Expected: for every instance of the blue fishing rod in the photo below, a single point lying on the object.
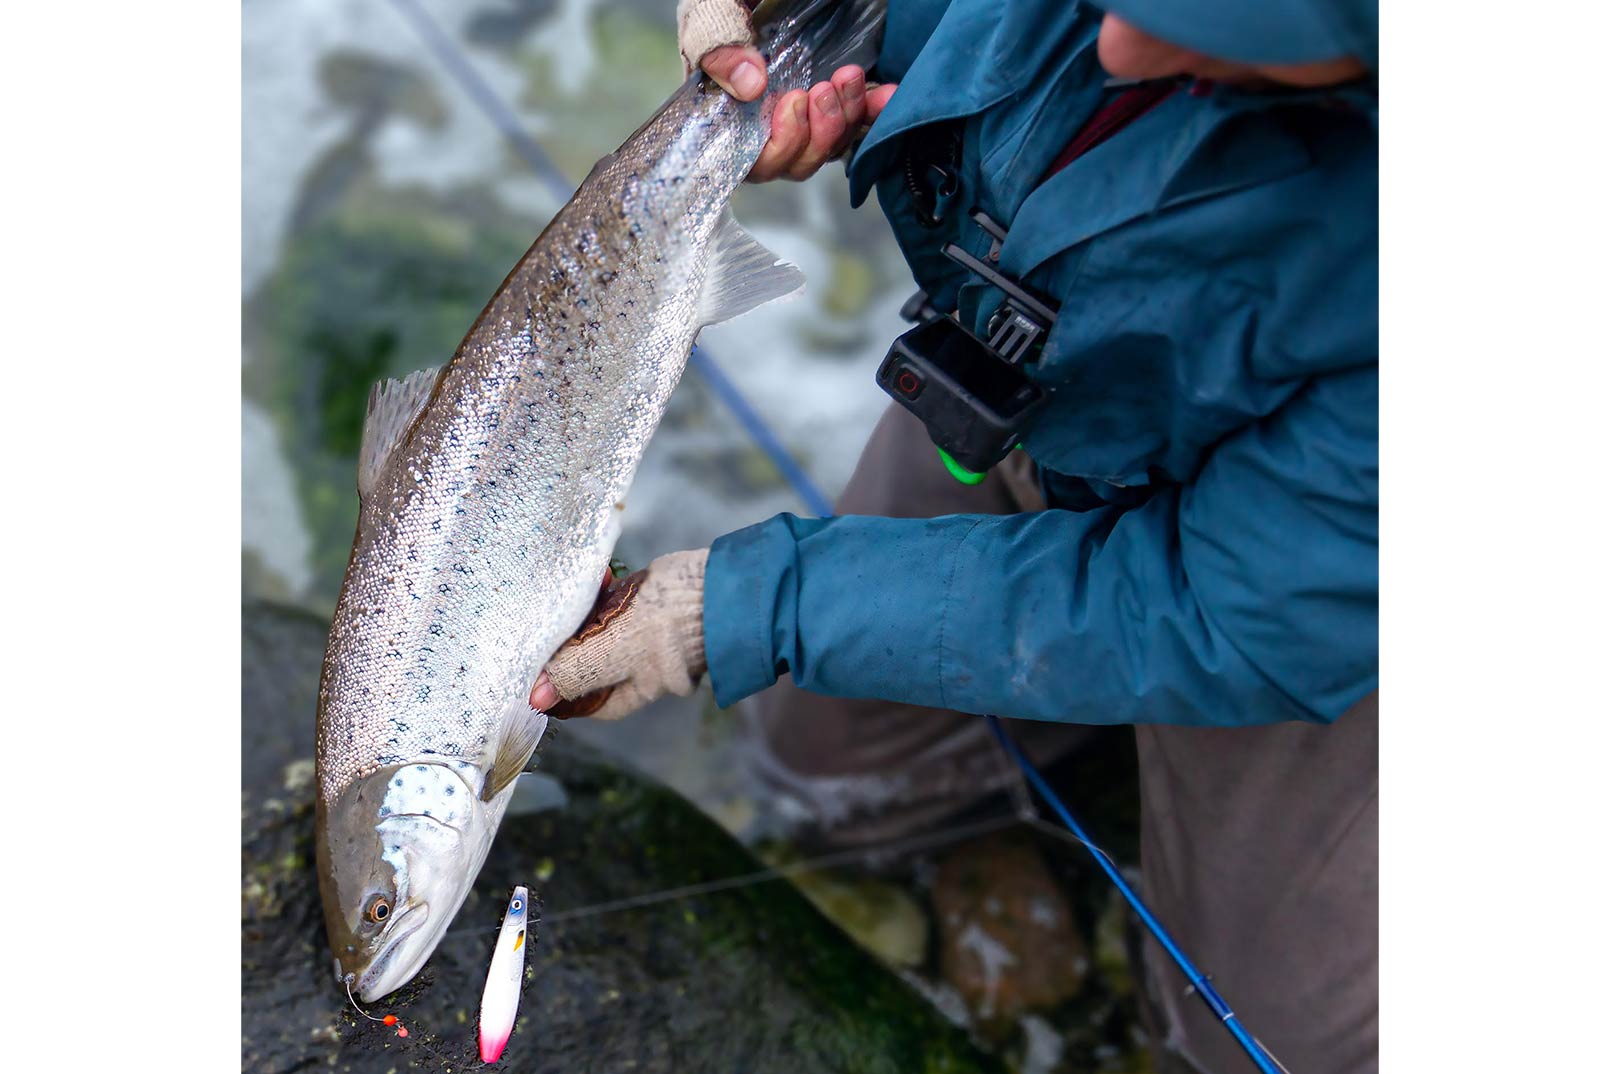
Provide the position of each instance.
(461, 69)
(445, 49)
(1200, 981)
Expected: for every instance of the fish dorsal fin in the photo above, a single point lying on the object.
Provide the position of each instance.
(393, 406)
(602, 164)
(742, 274)
(521, 728)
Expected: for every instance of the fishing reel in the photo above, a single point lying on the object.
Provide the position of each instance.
(972, 393)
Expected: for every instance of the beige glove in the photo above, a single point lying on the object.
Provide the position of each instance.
(644, 639)
(701, 26)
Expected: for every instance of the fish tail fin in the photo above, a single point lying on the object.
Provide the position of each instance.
(832, 32)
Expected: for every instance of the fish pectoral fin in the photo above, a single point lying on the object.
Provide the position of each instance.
(520, 733)
(392, 407)
(742, 274)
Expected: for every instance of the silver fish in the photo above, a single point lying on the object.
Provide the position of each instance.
(490, 492)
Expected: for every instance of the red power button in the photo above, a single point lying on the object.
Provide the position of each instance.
(908, 384)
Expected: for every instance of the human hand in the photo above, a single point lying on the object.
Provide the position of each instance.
(808, 127)
(644, 639)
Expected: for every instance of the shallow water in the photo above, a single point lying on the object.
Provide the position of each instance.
(381, 208)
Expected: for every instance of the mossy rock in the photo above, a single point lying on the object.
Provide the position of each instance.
(747, 979)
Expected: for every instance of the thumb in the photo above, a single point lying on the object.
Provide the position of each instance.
(739, 69)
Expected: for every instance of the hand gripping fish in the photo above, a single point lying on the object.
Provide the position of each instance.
(488, 492)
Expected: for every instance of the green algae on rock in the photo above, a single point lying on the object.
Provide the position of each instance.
(752, 978)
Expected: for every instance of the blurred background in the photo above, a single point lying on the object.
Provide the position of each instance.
(382, 206)
(398, 158)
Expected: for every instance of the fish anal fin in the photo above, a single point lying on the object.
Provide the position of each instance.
(742, 274)
(521, 728)
(390, 411)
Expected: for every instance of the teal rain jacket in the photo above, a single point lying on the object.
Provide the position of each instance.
(1211, 449)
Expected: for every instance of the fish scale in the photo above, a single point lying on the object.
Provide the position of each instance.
(462, 581)
(491, 492)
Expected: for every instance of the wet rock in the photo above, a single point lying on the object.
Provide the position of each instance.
(751, 978)
(1009, 943)
(1043, 1046)
(880, 916)
(1112, 948)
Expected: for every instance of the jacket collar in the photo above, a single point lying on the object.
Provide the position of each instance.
(978, 56)
(1185, 149)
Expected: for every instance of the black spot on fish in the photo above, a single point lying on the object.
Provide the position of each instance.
(399, 783)
(449, 792)
(383, 811)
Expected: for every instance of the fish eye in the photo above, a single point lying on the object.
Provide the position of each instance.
(378, 910)
(517, 904)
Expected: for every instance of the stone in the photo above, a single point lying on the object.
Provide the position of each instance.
(1009, 943)
(747, 978)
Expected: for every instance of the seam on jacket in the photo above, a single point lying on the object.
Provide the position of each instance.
(950, 596)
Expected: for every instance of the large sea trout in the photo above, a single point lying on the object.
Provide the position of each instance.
(489, 493)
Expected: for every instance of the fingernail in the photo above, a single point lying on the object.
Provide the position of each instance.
(544, 695)
(747, 79)
(853, 90)
(801, 110)
(827, 101)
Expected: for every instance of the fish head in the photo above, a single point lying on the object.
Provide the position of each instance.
(396, 853)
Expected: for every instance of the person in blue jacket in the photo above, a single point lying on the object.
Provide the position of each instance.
(1187, 540)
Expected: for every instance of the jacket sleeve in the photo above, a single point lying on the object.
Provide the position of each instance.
(1248, 596)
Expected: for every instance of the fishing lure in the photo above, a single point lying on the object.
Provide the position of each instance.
(390, 1020)
(498, 1011)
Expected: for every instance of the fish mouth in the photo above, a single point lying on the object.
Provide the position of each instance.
(387, 972)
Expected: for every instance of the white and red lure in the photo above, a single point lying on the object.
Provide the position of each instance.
(498, 1012)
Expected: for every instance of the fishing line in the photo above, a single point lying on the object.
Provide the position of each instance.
(1273, 1055)
(461, 69)
(387, 1019)
(1200, 982)
(503, 118)
(763, 876)
(348, 979)
(1043, 825)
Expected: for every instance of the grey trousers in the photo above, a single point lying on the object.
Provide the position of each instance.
(1259, 845)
